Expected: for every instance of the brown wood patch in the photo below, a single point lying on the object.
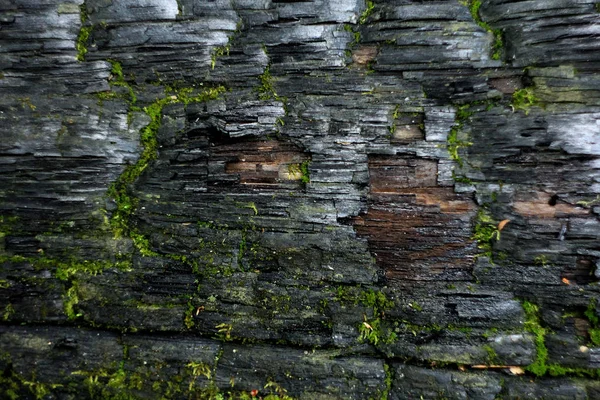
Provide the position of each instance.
(416, 230)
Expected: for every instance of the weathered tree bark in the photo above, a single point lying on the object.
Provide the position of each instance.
(323, 200)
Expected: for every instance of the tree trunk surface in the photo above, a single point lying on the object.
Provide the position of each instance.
(318, 199)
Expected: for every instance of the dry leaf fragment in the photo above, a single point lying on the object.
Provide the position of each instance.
(516, 370)
(503, 223)
(491, 366)
(566, 281)
(367, 326)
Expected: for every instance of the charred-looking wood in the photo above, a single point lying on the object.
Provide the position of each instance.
(299, 200)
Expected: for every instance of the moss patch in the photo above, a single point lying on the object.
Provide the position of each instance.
(84, 34)
(266, 90)
(485, 232)
(300, 170)
(532, 325)
(591, 315)
(454, 144)
(367, 13)
(523, 99)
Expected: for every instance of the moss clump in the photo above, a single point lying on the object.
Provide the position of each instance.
(224, 332)
(461, 179)
(454, 144)
(485, 231)
(371, 330)
(368, 11)
(591, 315)
(395, 115)
(8, 224)
(389, 376)
(532, 325)
(219, 52)
(9, 310)
(376, 300)
(523, 99)
(15, 386)
(70, 300)
(119, 80)
(492, 356)
(355, 39)
(84, 34)
(266, 90)
(300, 170)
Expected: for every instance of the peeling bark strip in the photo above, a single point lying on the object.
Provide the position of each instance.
(309, 200)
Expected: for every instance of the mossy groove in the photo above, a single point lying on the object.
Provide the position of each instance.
(120, 191)
(498, 44)
(540, 366)
(84, 34)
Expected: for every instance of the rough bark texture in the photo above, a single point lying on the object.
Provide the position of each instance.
(315, 199)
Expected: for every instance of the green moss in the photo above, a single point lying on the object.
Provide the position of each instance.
(118, 79)
(278, 392)
(461, 179)
(541, 260)
(142, 244)
(356, 37)
(305, 172)
(301, 170)
(485, 232)
(84, 34)
(594, 331)
(195, 370)
(8, 312)
(492, 356)
(26, 103)
(82, 39)
(266, 90)
(119, 190)
(70, 301)
(67, 271)
(371, 331)
(558, 370)
(8, 224)
(523, 99)
(590, 203)
(224, 332)
(532, 324)
(395, 115)
(454, 144)
(251, 205)
(389, 376)
(219, 52)
(498, 45)
(106, 96)
(368, 11)
(13, 386)
(188, 318)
